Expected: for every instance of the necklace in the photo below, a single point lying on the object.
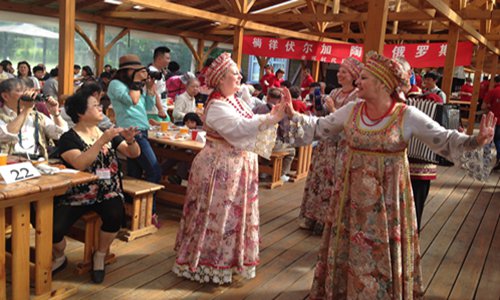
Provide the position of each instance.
(236, 103)
(375, 121)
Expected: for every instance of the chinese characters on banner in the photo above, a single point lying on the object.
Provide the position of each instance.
(418, 55)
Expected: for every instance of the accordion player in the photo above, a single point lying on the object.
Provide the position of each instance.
(446, 115)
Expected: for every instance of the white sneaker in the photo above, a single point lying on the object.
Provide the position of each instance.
(285, 178)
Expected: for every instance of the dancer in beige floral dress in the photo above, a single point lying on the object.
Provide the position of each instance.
(370, 246)
(319, 186)
(219, 230)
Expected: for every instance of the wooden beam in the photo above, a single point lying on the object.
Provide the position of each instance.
(193, 51)
(429, 29)
(472, 13)
(494, 71)
(315, 70)
(66, 46)
(306, 17)
(444, 9)
(312, 9)
(262, 63)
(200, 50)
(227, 5)
(481, 53)
(109, 46)
(210, 49)
(171, 7)
(396, 23)
(376, 25)
(451, 54)
(299, 16)
(238, 45)
(97, 19)
(100, 43)
(86, 3)
(142, 15)
(249, 6)
(89, 42)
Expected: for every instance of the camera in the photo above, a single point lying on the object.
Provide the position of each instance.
(155, 75)
(318, 103)
(38, 98)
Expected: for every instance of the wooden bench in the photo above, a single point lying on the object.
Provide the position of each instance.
(89, 235)
(140, 210)
(301, 163)
(274, 169)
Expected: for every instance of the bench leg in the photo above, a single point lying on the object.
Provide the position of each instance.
(141, 218)
(277, 169)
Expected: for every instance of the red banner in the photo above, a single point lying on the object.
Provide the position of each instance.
(418, 55)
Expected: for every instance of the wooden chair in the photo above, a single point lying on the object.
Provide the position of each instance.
(140, 210)
(274, 169)
(89, 235)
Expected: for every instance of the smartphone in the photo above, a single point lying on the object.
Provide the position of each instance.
(318, 104)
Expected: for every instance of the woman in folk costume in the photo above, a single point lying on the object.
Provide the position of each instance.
(320, 180)
(370, 244)
(219, 229)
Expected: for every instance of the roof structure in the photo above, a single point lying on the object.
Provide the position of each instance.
(371, 22)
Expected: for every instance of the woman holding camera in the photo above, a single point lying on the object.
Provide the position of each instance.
(22, 128)
(130, 105)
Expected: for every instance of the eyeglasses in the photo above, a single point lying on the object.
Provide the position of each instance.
(97, 106)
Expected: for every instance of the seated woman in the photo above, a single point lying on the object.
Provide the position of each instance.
(86, 148)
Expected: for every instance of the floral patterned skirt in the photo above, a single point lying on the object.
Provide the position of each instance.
(319, 186)
(219, 229)
(370, 248)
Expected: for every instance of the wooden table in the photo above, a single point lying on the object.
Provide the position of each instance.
(165, 148)
(18, 196)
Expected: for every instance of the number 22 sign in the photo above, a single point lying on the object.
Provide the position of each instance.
(18, 172)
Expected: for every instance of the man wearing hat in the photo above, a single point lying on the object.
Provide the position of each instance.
(130, 104)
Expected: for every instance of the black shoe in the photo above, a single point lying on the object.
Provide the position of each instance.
(98, 276)
(61, 267)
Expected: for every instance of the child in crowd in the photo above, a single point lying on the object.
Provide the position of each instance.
(192, 120)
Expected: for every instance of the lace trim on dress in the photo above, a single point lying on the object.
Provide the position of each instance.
(265, 140)
(204, 274)
(479, 162)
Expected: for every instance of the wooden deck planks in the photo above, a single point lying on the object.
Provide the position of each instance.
(456, 237)
(460, 245)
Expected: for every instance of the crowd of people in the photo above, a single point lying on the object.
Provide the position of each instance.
(361, 194)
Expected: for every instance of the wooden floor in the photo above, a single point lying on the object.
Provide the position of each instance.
(460, 244)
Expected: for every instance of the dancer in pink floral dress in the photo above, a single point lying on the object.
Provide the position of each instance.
(219, 230)
(320, 180)
(370, 246)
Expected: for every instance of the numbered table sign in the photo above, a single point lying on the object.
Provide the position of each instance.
(18, 172)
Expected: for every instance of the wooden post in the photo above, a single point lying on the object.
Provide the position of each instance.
(451, 54)
(238, 45)
(315, 70)
(494, 65)
(101, 47)
(481, 54)
(66, 45)
(200, 47)
(396, 23)
(376, 25)
(262, 63)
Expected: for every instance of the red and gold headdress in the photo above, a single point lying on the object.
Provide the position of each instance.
(389, 71)
(218, 68)
(353, 66)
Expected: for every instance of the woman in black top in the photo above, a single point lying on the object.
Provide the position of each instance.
(86, 148)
